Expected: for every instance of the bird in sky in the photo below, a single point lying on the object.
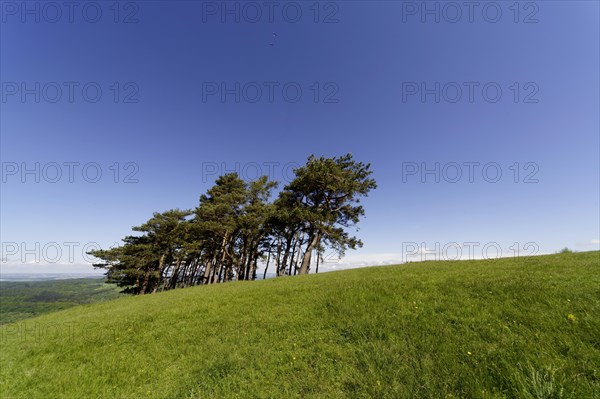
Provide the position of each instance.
(272, 43)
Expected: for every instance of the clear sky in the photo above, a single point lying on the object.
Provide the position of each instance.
(170, 94)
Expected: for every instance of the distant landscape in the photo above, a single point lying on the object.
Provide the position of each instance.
(45, 276)
(39, 294)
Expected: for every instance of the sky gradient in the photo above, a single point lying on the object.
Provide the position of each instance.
(161, 97)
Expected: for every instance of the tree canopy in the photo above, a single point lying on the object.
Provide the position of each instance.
(236, 227)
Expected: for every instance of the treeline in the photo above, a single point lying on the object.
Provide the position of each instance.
(236, 226)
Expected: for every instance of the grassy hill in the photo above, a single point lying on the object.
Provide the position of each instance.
(516, 328)
(24, 299)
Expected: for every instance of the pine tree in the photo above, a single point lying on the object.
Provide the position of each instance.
(235, 226)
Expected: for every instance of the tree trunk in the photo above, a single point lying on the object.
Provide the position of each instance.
(293, 263)
(146, 280)
(161, 268)
(286, 254)
(254, 267)
(223, 256)
(297, 256)
(184, 274)
(208, 269)
(241, 265)
(175, 275)
(268, 260)
(312, 243)
(318, 257)
(213, 275)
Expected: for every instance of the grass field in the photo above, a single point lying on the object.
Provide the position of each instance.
(514, 328)
(24, 299)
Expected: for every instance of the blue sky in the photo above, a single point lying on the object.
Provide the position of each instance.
(377, 79)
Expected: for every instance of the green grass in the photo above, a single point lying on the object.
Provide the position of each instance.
(24, 299)
(514, 328)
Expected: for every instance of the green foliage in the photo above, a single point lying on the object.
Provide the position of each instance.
(539, 384)
(235, 226)
(327, 192)
(463, 329)
(20, 300)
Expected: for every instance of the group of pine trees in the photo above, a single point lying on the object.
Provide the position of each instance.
(236, 227)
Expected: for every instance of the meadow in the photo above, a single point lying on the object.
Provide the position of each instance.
(506, 328)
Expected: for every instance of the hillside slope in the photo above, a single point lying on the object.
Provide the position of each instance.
(516, 328)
